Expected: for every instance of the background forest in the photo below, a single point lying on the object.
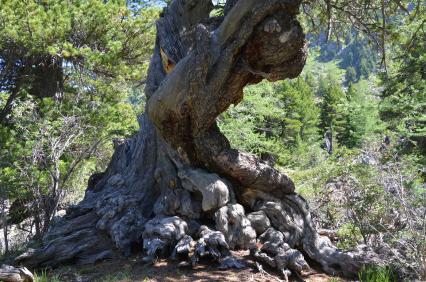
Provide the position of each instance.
(350, 131)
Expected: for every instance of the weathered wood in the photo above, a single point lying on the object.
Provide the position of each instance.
(180, 171)
(183, 247)
(161, 235)
(278, 254)
(259, 221)
(232, 222)
(215, 192)
(15, 274)
(210, 244)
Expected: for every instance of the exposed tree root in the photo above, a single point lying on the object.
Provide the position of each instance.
(177, 188)
(13, 274)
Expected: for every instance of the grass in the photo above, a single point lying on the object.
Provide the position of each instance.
(377, 274)
(44, 277)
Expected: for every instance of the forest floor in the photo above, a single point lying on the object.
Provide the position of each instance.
(134, 270)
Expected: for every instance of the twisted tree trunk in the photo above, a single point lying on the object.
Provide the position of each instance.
(177, 187)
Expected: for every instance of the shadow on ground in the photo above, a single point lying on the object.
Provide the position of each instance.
(134, 270)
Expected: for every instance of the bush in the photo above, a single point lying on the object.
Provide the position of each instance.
(349, 236)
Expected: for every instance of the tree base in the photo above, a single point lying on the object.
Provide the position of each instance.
(178, 188)
(195, 215)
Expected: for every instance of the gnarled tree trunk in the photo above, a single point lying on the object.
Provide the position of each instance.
(177, 187)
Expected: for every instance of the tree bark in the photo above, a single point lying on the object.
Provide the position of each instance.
(5, 226)
(13, 274)
(177, 187)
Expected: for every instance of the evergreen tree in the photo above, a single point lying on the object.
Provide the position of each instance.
(351, 75)
(360, 56)
(301, 116)
(61, 46)
(66, 73)
(256, 123)
(364, 68)
(355, 129)
(404, 98)
(333, 115)
(311, 80)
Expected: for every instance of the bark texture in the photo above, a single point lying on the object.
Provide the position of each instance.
(12, 274)
(177, 187)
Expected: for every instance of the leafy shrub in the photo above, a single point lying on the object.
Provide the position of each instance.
(349, 236)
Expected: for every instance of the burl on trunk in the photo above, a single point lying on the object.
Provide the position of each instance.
(177, 188)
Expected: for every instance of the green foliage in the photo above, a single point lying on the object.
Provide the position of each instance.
(404, 98)
(349, 236)
(366, 200)
(43, 276)
(276, 118)
(359, 58)
(333, 115)
(254, 124)
(103, 36)
(52, 142)
(362, 116)
(351, 75)
(350, 117)
(301, 113)
(97, 52)
(288, 119)
(350, 196)
(377, 274)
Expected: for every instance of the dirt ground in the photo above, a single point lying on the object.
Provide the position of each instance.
(135, 270)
